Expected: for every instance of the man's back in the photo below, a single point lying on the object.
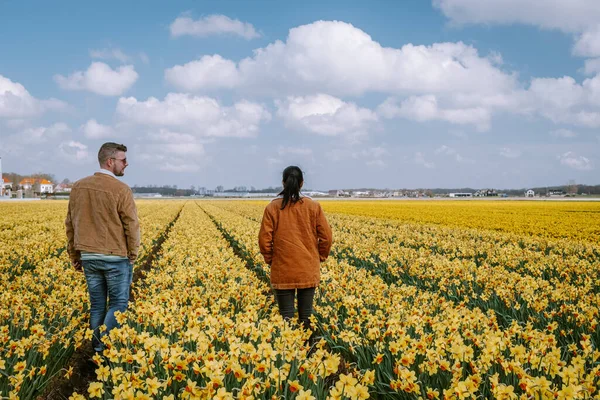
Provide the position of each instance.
(104, 237)
(103, 217)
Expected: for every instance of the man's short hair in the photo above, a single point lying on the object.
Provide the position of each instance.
(108, 150)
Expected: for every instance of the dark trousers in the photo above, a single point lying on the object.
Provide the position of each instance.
(285, 301)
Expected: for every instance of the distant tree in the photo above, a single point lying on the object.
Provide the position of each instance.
(219, 188)
(66, 181)
(14, 178)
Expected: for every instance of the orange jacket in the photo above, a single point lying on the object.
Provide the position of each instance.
(294, 241)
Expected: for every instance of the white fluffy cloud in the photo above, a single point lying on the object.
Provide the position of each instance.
(41, 134)
(426, 108)
(94, 130)
(16, 102)
(563, 100)
(212, 25)
(325, 115)
(101, 79)
(572, 160)
(199, 116)
(337, 58)
(566, 15)
(181, 144)
(588, 43)
(207, 73)
(73, 151)
(447, 82)
(172, 151)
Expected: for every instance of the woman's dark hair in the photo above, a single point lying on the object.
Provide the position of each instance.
(292, 180)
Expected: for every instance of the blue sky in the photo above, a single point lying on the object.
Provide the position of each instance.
(396, 94)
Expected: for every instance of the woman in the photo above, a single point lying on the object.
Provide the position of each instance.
(294, 239)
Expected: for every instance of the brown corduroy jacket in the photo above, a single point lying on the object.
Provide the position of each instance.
(294, 241)
(102, 218)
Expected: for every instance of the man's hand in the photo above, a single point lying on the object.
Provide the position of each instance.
(77, 265)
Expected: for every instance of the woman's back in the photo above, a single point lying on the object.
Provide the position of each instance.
(294, 240)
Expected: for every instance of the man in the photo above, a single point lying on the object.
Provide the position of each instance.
(104, 238)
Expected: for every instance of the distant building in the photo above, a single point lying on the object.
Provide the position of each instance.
(381, 194)
(338, 193)
(486, 193)
(43, 186)
(27, 183)
(36, 185)
(529, 193)
(63, 188)
(460, 195)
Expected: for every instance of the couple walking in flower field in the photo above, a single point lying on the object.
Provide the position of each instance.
(103, 235)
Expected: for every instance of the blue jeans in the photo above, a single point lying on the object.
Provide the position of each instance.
(106, 279)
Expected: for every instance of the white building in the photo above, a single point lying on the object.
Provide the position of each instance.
(43, 186)
(63, 188)
(530, 193)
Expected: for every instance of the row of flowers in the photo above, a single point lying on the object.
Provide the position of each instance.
(44, 317)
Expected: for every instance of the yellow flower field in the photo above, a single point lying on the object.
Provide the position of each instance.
(43, 318)
(431, 300)
(551, 219)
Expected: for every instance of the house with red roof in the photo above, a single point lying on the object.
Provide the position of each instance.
(38, 185)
